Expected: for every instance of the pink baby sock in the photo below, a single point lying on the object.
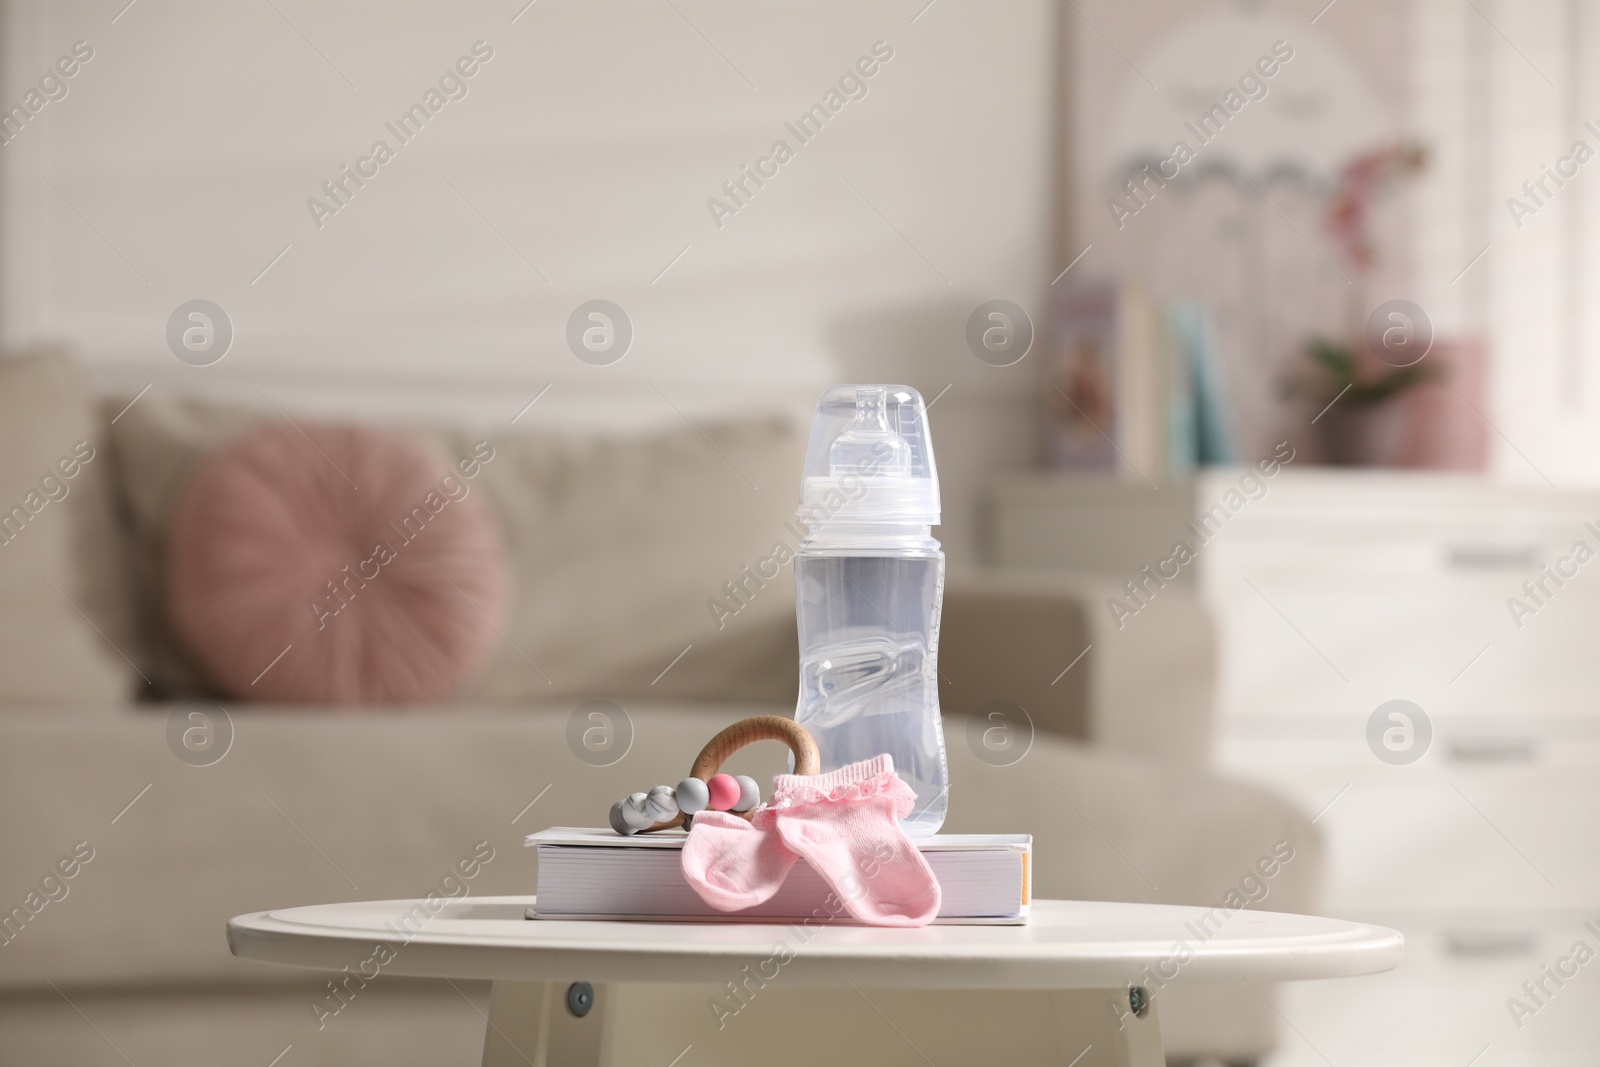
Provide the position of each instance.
(845, 824)
(731, 864)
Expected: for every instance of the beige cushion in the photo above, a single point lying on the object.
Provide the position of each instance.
(156, 445)
(392, 801)
(617, 546)
(309, 808)
(620, 546)
(397, 1022)
(61, 577)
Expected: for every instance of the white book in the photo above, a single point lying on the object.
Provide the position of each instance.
(598, 874)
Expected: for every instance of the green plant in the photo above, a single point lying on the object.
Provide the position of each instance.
(1342, 376)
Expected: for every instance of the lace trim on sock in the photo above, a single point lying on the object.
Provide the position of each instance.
(856, 781)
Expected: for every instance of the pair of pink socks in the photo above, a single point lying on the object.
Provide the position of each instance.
(845, 824)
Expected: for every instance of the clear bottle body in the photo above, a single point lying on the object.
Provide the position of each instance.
(868, 599)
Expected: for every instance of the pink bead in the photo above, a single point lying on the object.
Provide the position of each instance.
(724, 792)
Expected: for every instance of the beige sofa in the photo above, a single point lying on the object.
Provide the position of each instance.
(616, 546)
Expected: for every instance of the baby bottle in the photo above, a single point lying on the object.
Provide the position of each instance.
(869, 582)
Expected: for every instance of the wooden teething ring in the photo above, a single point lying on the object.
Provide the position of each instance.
(747, 732)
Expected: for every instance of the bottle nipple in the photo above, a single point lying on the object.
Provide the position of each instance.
(869, 447)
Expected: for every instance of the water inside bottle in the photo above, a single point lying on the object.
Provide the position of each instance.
(867, 679)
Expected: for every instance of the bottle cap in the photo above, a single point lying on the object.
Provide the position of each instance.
(870, 459)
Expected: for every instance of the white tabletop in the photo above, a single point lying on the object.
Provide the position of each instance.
(1065, 945)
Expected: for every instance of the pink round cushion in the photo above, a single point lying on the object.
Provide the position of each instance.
(338, 565)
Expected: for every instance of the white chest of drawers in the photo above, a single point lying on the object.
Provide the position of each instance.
(1333, 593)
(1330, 588)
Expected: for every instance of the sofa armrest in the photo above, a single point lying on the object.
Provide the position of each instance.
(1048, 643)
(1006, 635)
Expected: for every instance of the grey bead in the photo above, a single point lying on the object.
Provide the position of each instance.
(618, 823)
(693, 796)
(749, 793)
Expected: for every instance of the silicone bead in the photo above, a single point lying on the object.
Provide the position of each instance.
(723, 792)
(660, 803)
(749, 793)
(692, 795)
(618, 823)
(634, 813)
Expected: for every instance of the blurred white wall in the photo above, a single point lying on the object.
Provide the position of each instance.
(1505, 94)
(578, 166)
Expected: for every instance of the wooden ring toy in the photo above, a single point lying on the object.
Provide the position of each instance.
(662, 808)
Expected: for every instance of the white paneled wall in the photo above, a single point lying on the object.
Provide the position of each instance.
(578, 166)
(1503, 91)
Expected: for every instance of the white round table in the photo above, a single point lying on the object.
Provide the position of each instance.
(1079, 984)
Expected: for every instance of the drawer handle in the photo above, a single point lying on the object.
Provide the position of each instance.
(1479, 944)
(1493, 750)
(1494, 557)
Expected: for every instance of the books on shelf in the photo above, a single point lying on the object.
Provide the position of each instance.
(598, 874)
(1135, 386)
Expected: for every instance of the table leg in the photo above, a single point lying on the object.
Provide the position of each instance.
(774, 1025)
(532, 1025)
